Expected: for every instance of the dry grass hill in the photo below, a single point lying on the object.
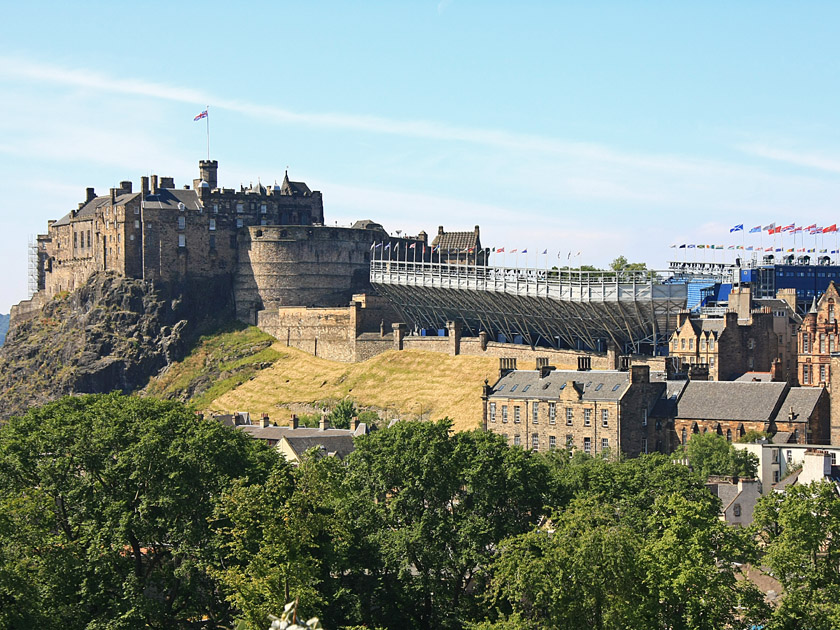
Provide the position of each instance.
(280, 380)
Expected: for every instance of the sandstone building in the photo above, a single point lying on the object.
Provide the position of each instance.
(593, 411)
(269, 243)
(818, 339)
(748, 337)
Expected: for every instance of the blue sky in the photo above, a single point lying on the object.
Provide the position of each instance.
(601, 127)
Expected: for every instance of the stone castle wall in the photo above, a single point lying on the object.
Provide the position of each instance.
(282, 266)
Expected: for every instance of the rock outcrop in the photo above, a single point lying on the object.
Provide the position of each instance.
(112, 333)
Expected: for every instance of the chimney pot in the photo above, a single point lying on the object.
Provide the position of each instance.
(90, 194)
(293, 421)
(155, 184)
(324, 424)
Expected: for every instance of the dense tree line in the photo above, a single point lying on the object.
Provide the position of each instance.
(119, 512)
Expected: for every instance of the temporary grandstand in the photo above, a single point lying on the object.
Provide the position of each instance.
(635, 310)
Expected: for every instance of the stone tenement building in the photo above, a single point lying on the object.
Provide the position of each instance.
(818, 339)
(594, 411)
(749, 337)
(269, 242)
(798, 415)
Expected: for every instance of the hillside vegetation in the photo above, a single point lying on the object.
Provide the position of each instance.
(404, 384)
(216, 364)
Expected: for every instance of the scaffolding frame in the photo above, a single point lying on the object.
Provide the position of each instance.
(557, 308)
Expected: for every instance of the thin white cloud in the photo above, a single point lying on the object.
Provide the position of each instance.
(817, 161)
(27, 70)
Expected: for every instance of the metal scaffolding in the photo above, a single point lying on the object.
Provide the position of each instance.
(573, 309)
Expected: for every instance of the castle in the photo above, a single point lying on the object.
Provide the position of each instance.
(269, 242)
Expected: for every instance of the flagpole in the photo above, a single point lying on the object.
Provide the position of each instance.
(207, 117)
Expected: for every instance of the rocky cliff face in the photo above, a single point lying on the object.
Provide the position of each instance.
(111, 334)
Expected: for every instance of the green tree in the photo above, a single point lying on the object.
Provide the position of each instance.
(105, 502)
(753, 436)
(712, 454)
(432, 507)
(342, 414)
(801, 533)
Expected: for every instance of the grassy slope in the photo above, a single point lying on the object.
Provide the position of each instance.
(398, 382)
(218, 363)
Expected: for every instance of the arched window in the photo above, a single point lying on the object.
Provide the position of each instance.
(684, 435)
(729, 434)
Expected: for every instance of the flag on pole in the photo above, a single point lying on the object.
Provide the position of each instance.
(200, 116)
(770, 227)
(737, 228)
(813, 226)
(788, 228)
(545, 251)
(501, 250)
(524, 251)
(388, 246)
(691, 247)
(831, 228)
(757, 228)
(750, 248)
(682, 246)
(513, 251)
(412, 246)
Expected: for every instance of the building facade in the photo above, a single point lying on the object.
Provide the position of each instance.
(597, 412)
(818, 339)
(749, 337)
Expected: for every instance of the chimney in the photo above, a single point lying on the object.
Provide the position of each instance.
(354, 423)
(167, 182)
(125, 187)
(440, 230)
(639, 374)
(264, 421)
(506, 366)
(776, 373)
(293, 421)
(144, 185)
(324, 424)
(698, 372)
(155, 184)
(682, 318)
(90, 194)
(113, 196)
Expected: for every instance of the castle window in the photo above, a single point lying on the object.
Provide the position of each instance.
(182, 240)
(712, 344)
(75, 239)
(552, 442)
(751, 343)
(263, 221)
(535, 441)
(822, 343)
(212, 241)
(806, 374)
(504, 414)
(215, 208)
(492, 412)
(182, 223)
(806, 343)
(240, 208)
(239, 223)
(516, 440)
(263, 208)
(88, 235)
(644, 446)
(830, 311)
(605, 417)
(212, 225)
(823, 379)
(552, 412)
(684, 436)
(131, 237)
(702, 344)
(137, 225)
(516, 414)
(691, 344)
(570, 440)
(570, 414)
(535, 412)
(587, 445)
(737, 510)
(587, 417)
(682, 344)
(605, 444)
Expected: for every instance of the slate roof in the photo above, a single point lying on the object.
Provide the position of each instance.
(802, 401)
(457, 240)
(167, 198)
(730, 400)
(790, 480)
(367, 224)
(726, 492)
(88, 210)
(750, 377)
(597, 385)
(295, 189)
(275, 433)
(337, 445)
